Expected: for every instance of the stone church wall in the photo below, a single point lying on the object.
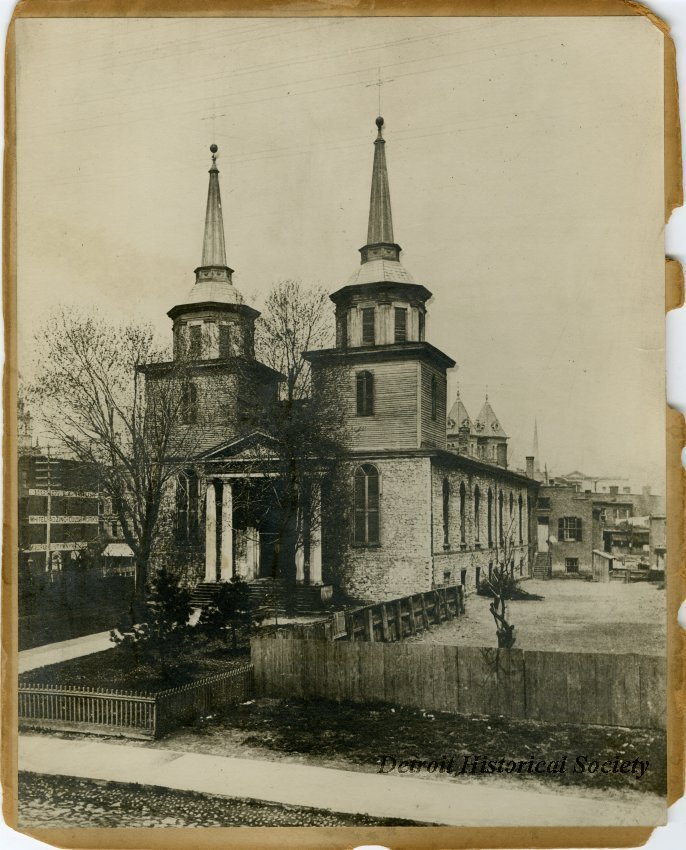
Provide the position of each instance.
(401, 564)
(456, 562)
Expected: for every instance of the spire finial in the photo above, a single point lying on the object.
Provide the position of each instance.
(213, 247)
(380, 241)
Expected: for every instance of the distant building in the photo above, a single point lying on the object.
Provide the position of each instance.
(572, 522)
(62, 510)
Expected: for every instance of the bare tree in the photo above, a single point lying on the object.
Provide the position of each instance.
(501, 585)
(89, 388)
(296, 319)
(307, 423)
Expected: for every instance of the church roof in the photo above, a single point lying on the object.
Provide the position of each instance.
(487, 424)
(458, 416)
(380, 271)
(213, 290)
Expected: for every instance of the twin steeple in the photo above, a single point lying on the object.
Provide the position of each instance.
(380, 243)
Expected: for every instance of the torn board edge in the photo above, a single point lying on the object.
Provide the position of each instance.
(398, 838)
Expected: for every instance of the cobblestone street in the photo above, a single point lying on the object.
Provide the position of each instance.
(61, 801)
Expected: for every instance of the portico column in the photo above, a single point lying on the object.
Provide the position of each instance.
(300, 565)
(226, 547)
(316, 535)
(210, 532)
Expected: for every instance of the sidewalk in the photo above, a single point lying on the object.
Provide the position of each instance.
(428, 801)
(52, 653)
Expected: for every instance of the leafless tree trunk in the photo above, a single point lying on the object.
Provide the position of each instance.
(89, 390)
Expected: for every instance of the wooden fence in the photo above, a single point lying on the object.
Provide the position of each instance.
(393, 620)
(564, 687)
(130, 714)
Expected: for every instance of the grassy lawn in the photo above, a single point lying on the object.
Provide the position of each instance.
(574, 616)
(117, 669)
(356, 737)
(64, 801)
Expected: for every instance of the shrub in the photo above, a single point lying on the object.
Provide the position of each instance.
(160, 627)
(231, 613)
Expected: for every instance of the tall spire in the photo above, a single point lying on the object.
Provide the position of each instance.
(213, 248)
(380, 242)
(537, 461)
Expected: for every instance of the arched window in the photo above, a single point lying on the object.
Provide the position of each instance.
(511, 505)
(446, 512)
(187, 503)
(189, 403)
(463, 518)
(366, 505)
(434, 397)
(501, 532)
(490, 517)
(477, 514)
(521, 535)
(365, 393)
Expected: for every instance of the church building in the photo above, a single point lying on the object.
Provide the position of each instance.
(432, 501)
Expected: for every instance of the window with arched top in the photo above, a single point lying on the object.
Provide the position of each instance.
(490, 517)
(477, 514)
(434, 397)
(446, 512)
(501, 530)
(521, 530)
(189, 403)
(366, 505)
(463, 513)
(365, 393)
(187, 507)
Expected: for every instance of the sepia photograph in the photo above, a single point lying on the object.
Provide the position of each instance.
(340, 422)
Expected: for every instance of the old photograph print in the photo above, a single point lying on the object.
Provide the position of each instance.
(341, 439)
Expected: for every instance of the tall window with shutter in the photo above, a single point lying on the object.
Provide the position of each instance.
(368, 322)
(501, 529)
(195, 340)
(490, 517)
(446, 512)
(477, 514)
(366, 505)
(364, 385)
(463, 513)
(224, 341)
(521, 530)
(189, 404)
(400, 324)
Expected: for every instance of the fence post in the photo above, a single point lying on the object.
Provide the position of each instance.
(369, 624)
(384, 623)
(413, 622)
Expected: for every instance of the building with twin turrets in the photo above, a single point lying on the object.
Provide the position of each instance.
(430, 505)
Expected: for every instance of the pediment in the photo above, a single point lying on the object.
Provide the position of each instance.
(255, 446)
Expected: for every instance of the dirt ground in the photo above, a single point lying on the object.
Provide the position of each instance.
(574, 616)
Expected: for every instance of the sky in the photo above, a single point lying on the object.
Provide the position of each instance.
(525, 163)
